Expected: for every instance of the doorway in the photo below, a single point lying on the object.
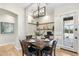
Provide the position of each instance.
(70, 36)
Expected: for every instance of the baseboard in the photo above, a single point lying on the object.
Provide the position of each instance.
(5, 44)
(58, 47)
(69, 50)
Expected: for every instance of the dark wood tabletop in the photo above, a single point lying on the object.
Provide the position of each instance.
(39, 45)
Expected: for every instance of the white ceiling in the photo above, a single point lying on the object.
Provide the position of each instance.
(53, 5)
(24, 5)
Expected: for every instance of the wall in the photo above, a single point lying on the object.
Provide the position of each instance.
(55, 16)
(31, 29)
(59, 11)
(20, 25)
(48, 18)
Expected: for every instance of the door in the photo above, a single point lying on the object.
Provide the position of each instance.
(69, 40)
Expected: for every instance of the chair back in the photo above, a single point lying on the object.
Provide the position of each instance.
(24, 46)
(54, 47)
(28, 37)
(54, 44)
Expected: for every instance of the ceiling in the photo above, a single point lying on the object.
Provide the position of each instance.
(26, 5)
(53, 5)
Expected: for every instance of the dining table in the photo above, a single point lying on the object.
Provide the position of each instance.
(39, 44)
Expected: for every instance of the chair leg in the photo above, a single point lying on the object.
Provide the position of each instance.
(54, 52)
(23, 53)
(50, 54)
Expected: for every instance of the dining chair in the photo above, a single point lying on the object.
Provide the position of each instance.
(28, 37)
(53, 49)
(24, 46)
(49, 50)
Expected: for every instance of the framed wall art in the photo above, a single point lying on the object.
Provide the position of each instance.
(7, 28)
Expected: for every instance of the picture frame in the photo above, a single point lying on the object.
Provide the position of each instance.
(0, 27)
(7, 28)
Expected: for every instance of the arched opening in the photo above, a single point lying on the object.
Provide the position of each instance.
(8, 27)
